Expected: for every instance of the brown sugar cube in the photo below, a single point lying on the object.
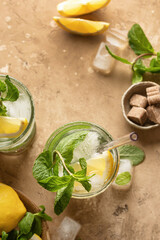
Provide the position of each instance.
(138, 101)
(152, 93)
(153, 89)
(154, 99)
(154, 114)
(137, 115)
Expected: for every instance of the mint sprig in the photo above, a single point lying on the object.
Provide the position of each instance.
(143, 48)
(8, 92)
(43, 171)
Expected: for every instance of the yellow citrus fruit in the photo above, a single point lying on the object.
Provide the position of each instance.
(12, 209)
(35, 237)
(81, 26)
(12, 127)
(102, 165)
(73, 8)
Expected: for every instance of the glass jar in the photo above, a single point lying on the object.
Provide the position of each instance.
(104, 137)
(23, 107)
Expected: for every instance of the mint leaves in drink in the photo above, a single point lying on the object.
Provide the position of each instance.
(46, 170)
(30, 224)
(8, 92)
(142, 48)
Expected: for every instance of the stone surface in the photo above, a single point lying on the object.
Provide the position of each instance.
(54, 65)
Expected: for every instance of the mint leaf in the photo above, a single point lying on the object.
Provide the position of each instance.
(86, 185)
(123, 178)
(153, 69)
(2, 86)
(133, 153)
(67, 145)
(137, 77)
(54, 183)
(4, 235)
(70, 168)
(43, 166)
(12, 91)
(123, 60)
(36, 226)
(63, 197)
(154, 63)
(138, 40)
(25, 224)
(3, 110)
(158, 57)
(43, 215)
(83, 164)
(12, 235)
(139, 66)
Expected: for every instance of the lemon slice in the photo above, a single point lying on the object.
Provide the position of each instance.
(35, 237)
(12, 127)
(102, 165)
(73, 8)
(81, 26)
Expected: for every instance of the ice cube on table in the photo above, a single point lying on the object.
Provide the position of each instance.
(125, 166)
(117, 38)
(68, 229)
(103, 62)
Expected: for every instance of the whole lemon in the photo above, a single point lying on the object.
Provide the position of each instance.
(11, 208)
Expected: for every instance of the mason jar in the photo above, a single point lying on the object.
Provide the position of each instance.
(103, 138)
(23, 107)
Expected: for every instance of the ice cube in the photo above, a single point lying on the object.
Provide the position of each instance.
(20, 108)
(68, 229)
(96, 182)
(117, 38)
(86, 148)
(103, 62)
(125, 166)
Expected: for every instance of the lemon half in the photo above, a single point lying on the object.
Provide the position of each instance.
(12, 127)
(73, 8)
(81, 26)
(12, 209)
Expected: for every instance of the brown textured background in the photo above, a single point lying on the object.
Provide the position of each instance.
(56, 67)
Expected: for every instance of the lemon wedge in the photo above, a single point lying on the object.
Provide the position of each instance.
(35, 237)
(81, 26)
(102, 165)
(73, 8)
(12, 127)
